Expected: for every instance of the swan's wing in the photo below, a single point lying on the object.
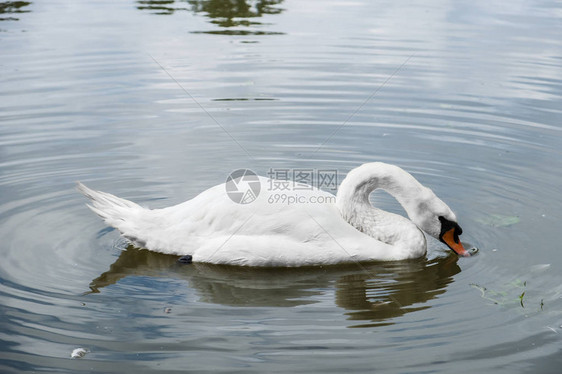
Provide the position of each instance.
(268, 231)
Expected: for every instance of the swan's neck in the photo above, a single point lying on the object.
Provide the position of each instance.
(353, 202)
(355, 189)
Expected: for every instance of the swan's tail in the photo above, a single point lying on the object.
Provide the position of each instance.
(122, 214)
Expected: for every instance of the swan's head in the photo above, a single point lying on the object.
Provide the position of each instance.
(438, 220)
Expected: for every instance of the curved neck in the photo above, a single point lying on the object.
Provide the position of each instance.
(354, 191)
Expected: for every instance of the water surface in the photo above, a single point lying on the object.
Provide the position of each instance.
(156, 101)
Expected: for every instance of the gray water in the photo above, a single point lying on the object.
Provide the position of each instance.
(155, 101)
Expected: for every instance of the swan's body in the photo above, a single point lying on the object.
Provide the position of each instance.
(320, 229)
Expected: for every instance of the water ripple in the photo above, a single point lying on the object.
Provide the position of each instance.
(473, 113)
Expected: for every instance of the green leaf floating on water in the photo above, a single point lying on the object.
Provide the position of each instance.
(498, 220)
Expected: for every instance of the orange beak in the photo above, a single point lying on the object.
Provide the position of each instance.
(452, 240)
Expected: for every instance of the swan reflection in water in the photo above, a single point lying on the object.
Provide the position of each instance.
(373, 292)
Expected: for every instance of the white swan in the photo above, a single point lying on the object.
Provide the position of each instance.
(321, 229)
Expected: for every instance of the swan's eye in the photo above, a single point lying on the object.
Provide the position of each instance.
(459, 230)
